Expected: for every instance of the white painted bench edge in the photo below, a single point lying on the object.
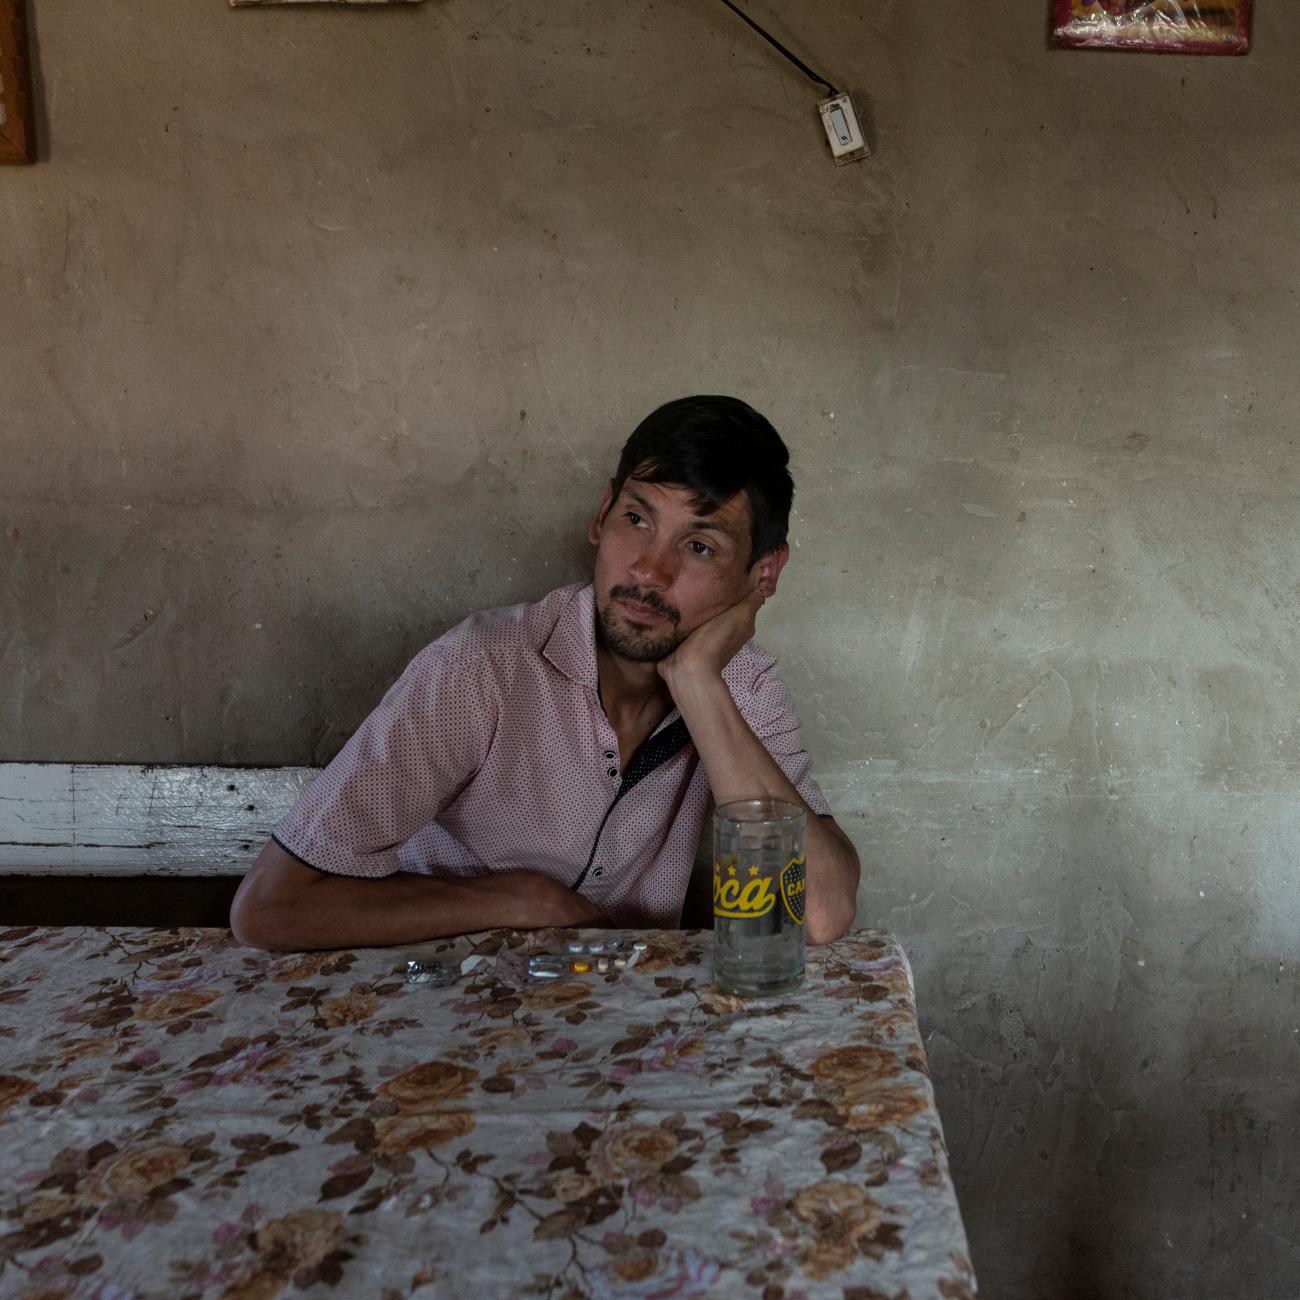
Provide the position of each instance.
(93, 819)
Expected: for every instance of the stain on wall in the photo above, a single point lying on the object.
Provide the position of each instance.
(320, 331)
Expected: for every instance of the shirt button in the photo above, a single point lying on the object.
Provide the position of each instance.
(609, 753)
(613, 772)
(600, 871)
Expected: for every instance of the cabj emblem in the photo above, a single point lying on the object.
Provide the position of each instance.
(794, 885)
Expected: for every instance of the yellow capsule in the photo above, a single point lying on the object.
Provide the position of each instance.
(581, 967)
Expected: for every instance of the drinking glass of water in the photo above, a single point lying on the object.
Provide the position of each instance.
(759, 885)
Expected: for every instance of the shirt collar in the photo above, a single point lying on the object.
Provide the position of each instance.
(571, 647)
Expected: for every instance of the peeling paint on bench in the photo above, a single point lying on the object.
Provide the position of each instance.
(115, 819)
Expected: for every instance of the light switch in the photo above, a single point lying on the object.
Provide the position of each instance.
(842, 129)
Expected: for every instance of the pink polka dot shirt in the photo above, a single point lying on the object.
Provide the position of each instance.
(492, 753)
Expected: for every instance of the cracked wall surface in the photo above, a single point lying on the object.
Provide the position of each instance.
(321, 328)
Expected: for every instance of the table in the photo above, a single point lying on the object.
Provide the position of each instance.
(182, 1116)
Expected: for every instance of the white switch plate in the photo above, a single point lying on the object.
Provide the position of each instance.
(843, 129)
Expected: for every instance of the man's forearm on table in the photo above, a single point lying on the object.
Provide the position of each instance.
(740, 767)
(285, 906)
(354, 912)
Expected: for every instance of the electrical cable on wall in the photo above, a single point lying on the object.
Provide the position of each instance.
(839, 118)
(771, 40)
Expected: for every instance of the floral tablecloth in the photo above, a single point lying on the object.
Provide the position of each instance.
(184, 1117)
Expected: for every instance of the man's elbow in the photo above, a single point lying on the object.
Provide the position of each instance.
(832, 923)
(250, 925)
(269, 907)
(267, 923)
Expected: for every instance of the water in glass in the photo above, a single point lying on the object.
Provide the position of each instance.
(758, 897)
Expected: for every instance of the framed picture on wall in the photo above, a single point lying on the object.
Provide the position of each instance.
(240, 4)
(1157, 26)
(17, 136)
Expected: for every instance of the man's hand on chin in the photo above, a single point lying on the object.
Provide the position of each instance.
(714, 644)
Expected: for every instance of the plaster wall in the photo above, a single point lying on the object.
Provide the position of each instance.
(320, 328)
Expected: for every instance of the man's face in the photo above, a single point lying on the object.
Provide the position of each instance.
(662, 568)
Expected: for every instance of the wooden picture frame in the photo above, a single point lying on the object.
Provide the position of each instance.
(243, 4)
(17, 128)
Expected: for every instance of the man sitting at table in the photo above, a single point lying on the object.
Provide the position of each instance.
(551, 764)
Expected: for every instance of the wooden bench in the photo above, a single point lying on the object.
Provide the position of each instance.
(125, 844)
(130, 844)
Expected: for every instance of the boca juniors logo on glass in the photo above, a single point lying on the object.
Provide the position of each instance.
(794, 888)
(740, 893)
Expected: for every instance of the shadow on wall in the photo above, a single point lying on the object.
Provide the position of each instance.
(1113, 1067)
(333, 691)
(157, 901)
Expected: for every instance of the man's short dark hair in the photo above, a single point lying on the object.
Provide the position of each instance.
(715, 447)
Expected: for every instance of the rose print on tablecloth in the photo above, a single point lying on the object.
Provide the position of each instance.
(186, 1117)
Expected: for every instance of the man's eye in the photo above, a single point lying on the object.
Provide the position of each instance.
(632, 517)
(701, 548)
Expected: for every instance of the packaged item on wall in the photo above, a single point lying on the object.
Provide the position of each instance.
(1157, 26)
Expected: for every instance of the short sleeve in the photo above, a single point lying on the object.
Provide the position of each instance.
(410, 758)
(771, 715)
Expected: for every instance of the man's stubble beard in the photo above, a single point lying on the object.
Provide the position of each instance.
(638, 647)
